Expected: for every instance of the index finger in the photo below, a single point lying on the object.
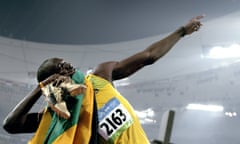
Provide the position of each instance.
(197, 18)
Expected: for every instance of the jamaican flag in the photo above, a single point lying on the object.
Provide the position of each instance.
(75, 130)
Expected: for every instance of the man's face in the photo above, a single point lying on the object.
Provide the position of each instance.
(65, 68)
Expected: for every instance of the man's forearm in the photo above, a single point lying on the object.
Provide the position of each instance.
(22, 108)
(160, 48)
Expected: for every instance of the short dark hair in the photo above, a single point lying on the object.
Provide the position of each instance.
(48, 68)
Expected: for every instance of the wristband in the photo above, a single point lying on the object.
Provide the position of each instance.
(41, 85)
(183, 31)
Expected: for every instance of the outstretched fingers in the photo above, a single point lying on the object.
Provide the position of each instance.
(196, 24)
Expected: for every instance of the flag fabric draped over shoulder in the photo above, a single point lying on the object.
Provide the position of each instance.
(75, 130)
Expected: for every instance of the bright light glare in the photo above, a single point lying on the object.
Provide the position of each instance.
(146, 116)
(234, 114)
(231, 114)
(145, 113)
(223, 52)
(212, 108)
(122, 82)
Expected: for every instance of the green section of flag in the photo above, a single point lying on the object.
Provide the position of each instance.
(59, 125)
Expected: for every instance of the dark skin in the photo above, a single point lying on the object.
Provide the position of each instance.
(19, 120)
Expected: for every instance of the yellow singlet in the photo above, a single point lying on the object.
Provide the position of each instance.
(118, 123)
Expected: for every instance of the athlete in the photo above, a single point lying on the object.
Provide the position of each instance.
(97, 113)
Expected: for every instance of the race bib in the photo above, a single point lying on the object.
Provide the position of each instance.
(114, 119)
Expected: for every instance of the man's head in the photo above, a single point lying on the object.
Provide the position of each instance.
(53, 66)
